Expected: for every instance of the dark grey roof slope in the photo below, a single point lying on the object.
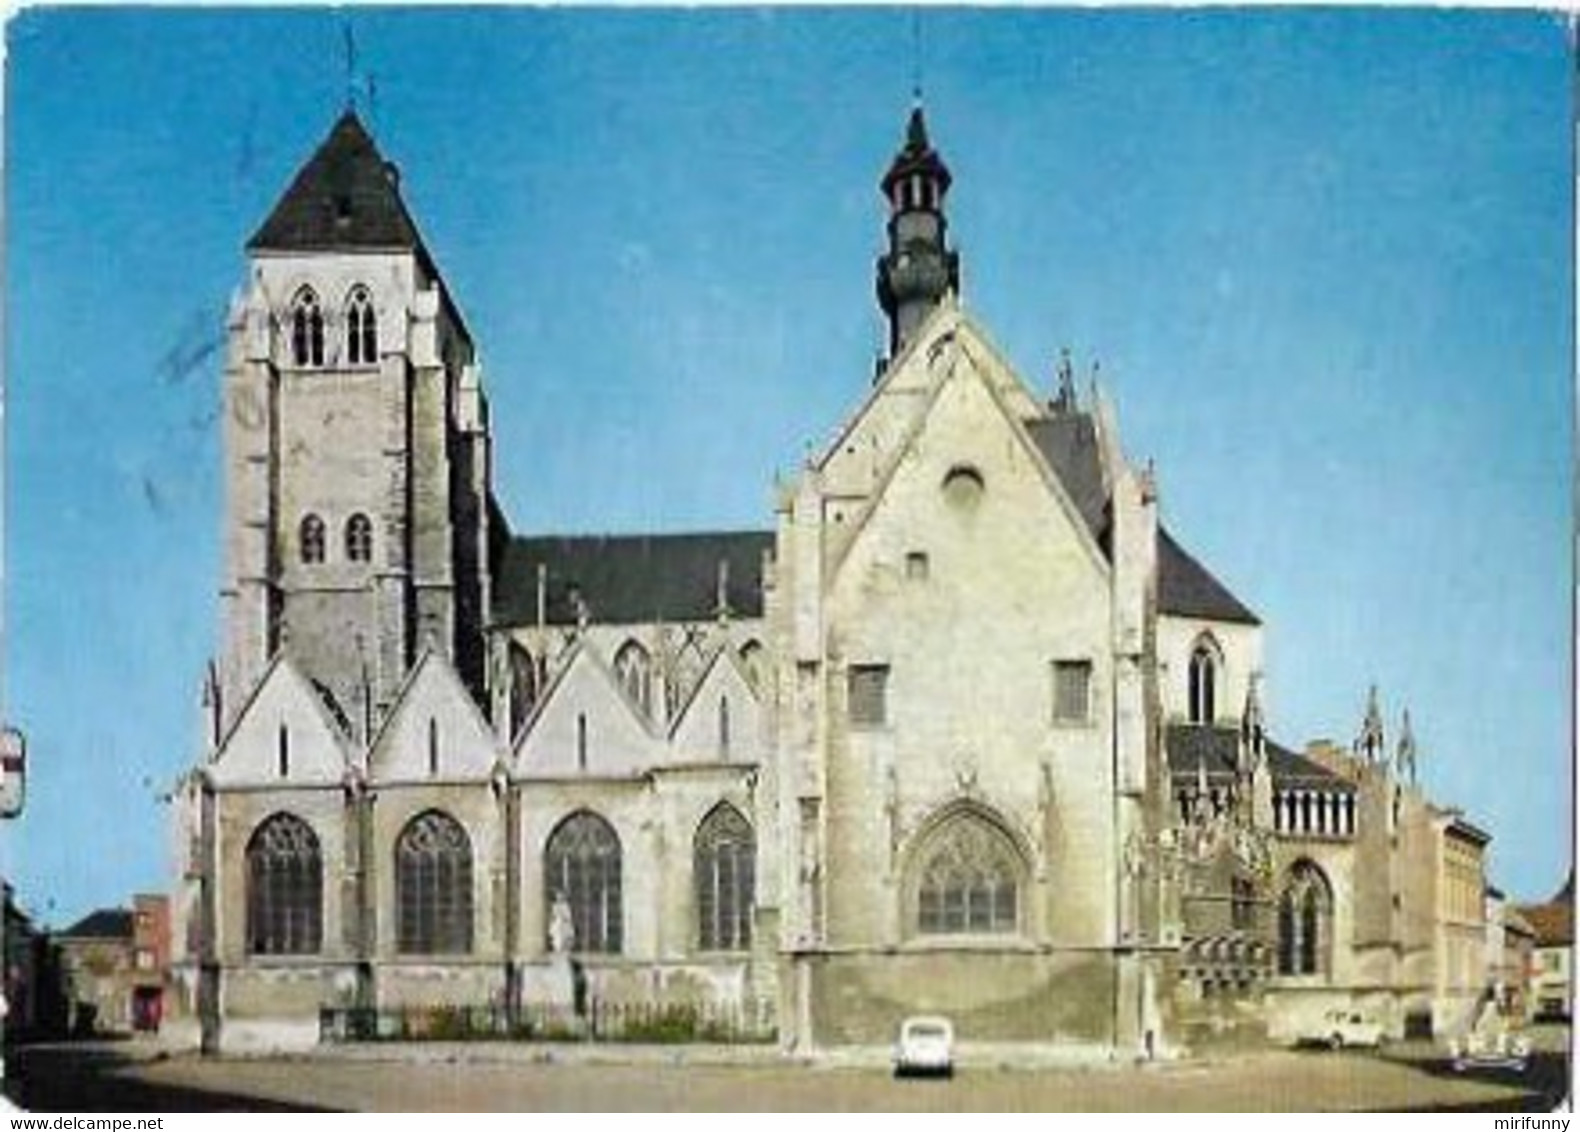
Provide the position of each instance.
(1191, 745)
(1187, 589)
(104, 923)
(346, 196)
(1068, 441)
(630, 578)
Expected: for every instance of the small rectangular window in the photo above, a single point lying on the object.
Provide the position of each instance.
(1072, 691)
(916, 566)
(869, 695)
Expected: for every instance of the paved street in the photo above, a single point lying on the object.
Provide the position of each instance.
(434, 1078)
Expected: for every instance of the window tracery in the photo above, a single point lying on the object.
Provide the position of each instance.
(284, 888)
(967, 880)
(362, 340)
(1305, 922)
(433, 886)
(581, 865)
(307, 330)
(724, 864)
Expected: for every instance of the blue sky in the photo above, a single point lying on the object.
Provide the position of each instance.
(1324, 259)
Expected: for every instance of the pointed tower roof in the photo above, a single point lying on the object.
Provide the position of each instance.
(918, 155)
(346, 196)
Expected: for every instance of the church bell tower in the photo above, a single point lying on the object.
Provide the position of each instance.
(919, 267)
(356, 448)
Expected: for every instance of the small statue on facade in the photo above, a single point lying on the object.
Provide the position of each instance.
(562, 928)
(1135, 857)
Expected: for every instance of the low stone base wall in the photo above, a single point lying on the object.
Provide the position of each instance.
(265, 1036)
(407, 984)
(1062, 999)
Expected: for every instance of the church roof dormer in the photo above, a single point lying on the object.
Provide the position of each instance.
(346, 197)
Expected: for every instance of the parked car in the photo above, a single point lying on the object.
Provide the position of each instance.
(1342, 1028)
(926, 1045)
(1489, 1049)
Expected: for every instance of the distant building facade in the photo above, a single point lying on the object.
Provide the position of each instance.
(114, 963)
(1552, 974)
(1511, 954)
(965, 730)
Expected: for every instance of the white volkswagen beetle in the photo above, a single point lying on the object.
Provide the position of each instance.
(926, 1045)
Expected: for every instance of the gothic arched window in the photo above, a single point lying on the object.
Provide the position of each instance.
(433, 887)
(581, 865)
(724, 869)
(1203, 681)
(359, 538)
(362, 335)
(307, 329)
(285, 884)
(523, 686)
(310, 537)
(1305, 922)
(967, 879)
(634, 667)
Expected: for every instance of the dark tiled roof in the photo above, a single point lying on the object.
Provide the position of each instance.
(1216, 748)
(1068, 441)
(630, 578)
(105, 923)
(346, 196)
(1187, 589)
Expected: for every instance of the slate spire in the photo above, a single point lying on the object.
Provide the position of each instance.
(346, 197)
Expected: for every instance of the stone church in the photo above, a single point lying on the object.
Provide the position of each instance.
(964, 729)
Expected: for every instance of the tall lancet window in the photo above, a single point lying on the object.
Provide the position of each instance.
(433, 887)
(1305, 922)
(723, 867)
(307, 329)
(311, 539)
(581, 866)
(362, 333)
(1203, 682)
(285, 881)
(359, 538)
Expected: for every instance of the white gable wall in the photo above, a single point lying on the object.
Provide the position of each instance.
(465, 746)
(1241, 647)
(618, 743)
(250, 755)
(1012, 584)
(697, 736)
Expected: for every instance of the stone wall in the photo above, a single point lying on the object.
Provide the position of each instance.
(992, 996)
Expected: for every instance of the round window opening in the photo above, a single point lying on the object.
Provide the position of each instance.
(963, 486)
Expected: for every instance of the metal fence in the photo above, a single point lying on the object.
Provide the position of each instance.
(662, 1023)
